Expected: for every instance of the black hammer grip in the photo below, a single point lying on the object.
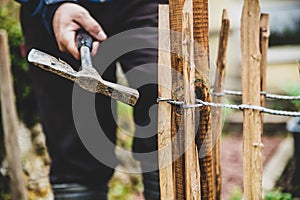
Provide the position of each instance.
(84, 39)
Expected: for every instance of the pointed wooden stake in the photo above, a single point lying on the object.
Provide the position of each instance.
(192, 171)
(217, 112)
(10, 123)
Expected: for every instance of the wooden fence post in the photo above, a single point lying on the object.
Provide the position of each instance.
(202, 88)
(217, 112)
(252, 133)
(10, 123)
(202, 91)
(176, 7)
(264, 44)
(192, 173)
(164, 108)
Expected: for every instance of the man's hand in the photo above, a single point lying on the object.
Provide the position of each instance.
(67, 20)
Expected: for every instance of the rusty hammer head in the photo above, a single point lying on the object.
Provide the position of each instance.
(88, 78)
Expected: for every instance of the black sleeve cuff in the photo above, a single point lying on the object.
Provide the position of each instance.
(48, 11)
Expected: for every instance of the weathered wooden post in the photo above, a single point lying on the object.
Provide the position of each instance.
(202, 83)
(192, 173)
(177, 94)
(185, 172)
(164, 108)
(202, 89)
(264, 44)
(217, 112)
(10, 123)
(252, 133)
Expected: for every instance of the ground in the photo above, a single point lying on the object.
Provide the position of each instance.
(232, 161)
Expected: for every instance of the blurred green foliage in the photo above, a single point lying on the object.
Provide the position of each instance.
(294, 90)
(26, 105)
(273, 195)
(290, 90)
(277, 195)
(125, 186)
(236, 194)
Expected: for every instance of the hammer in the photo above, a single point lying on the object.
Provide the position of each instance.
(88, 78)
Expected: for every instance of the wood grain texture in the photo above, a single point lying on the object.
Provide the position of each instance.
(202, 88)
(217, 123)
(176, 7)
(202, 91)
(10, 123)
(252, 133)
(192, 172)
(164, 109)
(264, 45)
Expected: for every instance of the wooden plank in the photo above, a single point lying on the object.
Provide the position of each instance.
(164, 108)
(217, 124)
(10, 123)
(202, 88)
(175, 8)
(252, 134)
(192, 172)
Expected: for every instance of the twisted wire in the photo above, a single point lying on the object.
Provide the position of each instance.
(201, 103)
(268, 95)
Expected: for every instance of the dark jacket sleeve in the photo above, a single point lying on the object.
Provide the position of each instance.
(44, 9)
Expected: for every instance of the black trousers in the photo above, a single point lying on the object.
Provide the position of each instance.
(71, 161)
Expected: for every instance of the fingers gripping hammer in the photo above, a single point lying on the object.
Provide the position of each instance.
(88, 78)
